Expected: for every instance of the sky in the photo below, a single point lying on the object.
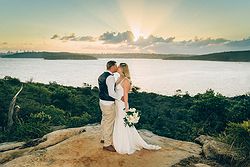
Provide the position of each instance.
(125, 26)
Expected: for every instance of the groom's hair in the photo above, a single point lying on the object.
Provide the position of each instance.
(110, 64)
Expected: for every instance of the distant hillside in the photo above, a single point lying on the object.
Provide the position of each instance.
(138, 55)
(50, 55)
(77, 56)
(238, 56)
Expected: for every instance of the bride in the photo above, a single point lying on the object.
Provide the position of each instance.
(126, 140)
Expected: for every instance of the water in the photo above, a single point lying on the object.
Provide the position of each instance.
(159, 76)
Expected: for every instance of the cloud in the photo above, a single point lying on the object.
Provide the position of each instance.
(85, 38)
(128, 37)
(125, 41)
(240, 43)
(73, 37)
(200, 46)
(201, 42)
(55, 36)
(112, 37)
(152, 40)
(68, 37)
(4, 43)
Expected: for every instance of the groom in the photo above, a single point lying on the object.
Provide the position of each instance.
(107, 97)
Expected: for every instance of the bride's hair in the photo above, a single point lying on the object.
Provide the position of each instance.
(125, 70)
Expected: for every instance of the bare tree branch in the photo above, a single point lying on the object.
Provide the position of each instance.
(11, 109)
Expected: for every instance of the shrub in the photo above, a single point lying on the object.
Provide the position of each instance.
(57, 115)
(40, 117)
(79, 121)
(208, 110)
(25, 131)
(238, 135)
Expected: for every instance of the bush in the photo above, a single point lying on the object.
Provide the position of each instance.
(12, 81)
(208, 111)
(238, 135)
(40, 117)
(57, 115)
(239, 111)
(79, 121)
(25, 132)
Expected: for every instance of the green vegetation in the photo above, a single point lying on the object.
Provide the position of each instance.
(181, 116)
(238, 56)
(50, 55)
(237, 134)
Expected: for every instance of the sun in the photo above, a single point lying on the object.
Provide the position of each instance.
(138, 34)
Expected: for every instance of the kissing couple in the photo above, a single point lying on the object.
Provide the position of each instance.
(116, 137)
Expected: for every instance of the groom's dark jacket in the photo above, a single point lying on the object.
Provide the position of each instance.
(103, 88)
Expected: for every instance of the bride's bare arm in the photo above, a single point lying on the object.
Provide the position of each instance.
(126, 87)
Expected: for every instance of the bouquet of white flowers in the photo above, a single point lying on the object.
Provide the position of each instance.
(132, 117)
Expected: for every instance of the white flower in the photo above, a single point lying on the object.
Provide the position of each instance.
(136, 120)
(132, 117)
(133, 109)
(135, 114)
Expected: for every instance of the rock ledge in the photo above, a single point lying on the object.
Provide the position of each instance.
(81, 147)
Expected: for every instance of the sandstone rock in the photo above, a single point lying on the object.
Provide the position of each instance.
(58, 136)
(10, 146)
(201, 165)
(202, 139)
(217, 150)
(85, 149)
(12, 154)
(46, 141)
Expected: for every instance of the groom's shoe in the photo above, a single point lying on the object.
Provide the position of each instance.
(102, 141)
(109, 148)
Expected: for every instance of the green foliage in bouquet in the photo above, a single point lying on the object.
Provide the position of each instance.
(132, 117)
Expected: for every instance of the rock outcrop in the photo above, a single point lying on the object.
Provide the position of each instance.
(81, 147)
(216, 150)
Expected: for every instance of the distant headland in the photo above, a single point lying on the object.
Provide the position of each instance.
(237, 56)
(50, 55)
(233, 56)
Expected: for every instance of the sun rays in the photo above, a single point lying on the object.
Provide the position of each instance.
(137, 24)
(138, 34)
(144, 18)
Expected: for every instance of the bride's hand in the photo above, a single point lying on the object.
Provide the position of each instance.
(126, 109)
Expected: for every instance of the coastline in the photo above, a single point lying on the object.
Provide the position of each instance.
(230, 56)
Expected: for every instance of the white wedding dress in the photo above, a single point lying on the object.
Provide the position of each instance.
(126, 140)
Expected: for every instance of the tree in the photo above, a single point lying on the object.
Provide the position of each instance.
(12, 109)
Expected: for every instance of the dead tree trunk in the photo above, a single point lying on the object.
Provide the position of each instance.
(11, 109)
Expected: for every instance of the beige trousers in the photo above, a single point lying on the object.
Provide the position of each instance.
(107, 123)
